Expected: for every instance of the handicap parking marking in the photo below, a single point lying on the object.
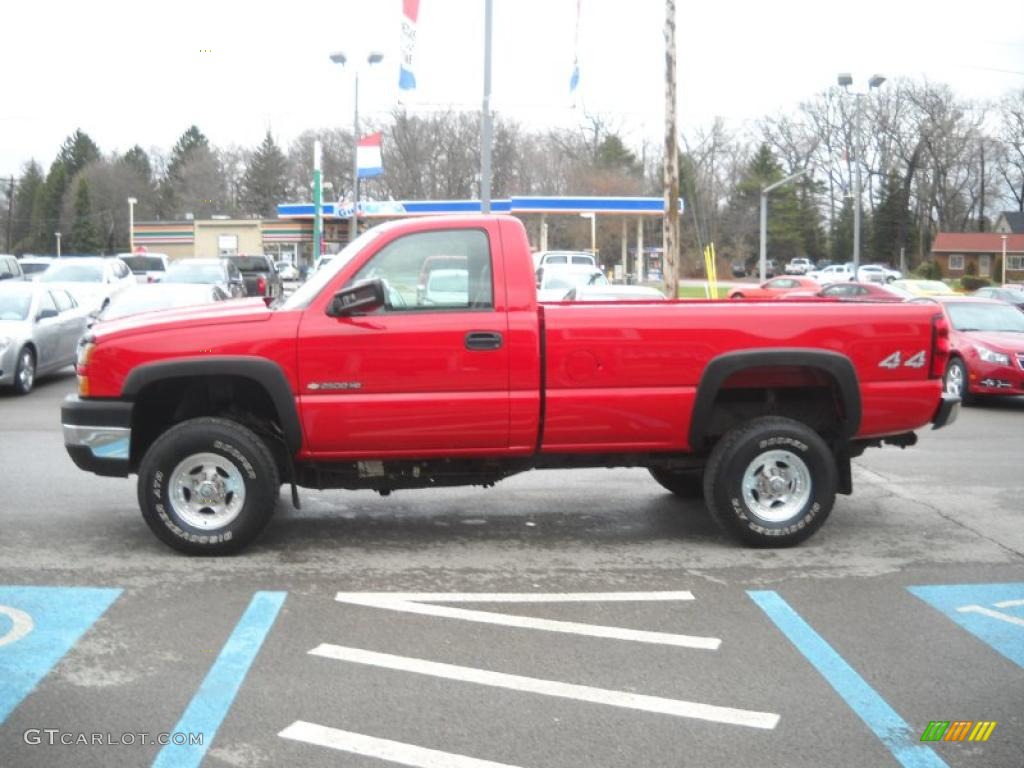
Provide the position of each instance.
(211, 702)
(994, 613)
(891, 729)
(38, 626)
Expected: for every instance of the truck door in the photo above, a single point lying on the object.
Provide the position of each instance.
(429, 372)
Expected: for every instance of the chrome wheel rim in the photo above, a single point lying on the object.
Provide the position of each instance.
(26, 371)
(776, 486)
(955, 380)
(207, 491)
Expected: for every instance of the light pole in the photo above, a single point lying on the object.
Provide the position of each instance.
(593, 232)
(131, 224)
(374, 57)
(1004, 258)
(57, 235)
(763, 261)
(845, 80)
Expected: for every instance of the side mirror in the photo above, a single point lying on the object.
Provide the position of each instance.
(46, 314)
(358, 299)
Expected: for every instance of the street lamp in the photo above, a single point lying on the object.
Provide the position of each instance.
(764, 219)
(845, 80)
(57, 235)
(593, 232)
(374, 57)
(131, 223)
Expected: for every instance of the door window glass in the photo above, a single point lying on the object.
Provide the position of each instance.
(434, 270)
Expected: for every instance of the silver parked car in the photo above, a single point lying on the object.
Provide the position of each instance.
(40, 327)
(92, 280)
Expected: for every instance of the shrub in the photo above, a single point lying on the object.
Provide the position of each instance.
(969, 283)
(928, 270)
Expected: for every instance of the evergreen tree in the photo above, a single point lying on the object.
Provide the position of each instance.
(137, 159)
(892, 217)
(46, 209)
(178, 194)
(842, 233)
(265, 182)
(24, 197)
(187, 144)
(786, 214)
(77, 152)
(84, 238)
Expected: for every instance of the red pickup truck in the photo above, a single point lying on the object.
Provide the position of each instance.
(359, 381)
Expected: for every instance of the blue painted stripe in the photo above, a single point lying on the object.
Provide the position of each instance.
(58, 617)
(891, 729)
(996, 628)
(212, 701)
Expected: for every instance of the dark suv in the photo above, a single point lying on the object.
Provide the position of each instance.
(260, 275)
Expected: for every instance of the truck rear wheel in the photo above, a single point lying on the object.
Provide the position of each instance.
(770, 482)
(684, 483)
(208, 486)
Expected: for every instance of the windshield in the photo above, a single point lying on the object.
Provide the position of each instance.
(34, 268)
(194, 273)
(73, 273)
(308, 291)
(15, 306)
(985, 317)
(139, 264)
(251, 263)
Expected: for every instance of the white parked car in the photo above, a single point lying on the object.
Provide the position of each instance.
(557, 282)
(798, 266)
(447, 287)
(876, 273)
(834, 273)
(147, 267)
(92, 280)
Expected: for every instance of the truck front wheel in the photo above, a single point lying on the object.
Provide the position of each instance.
(208, 486)
(770, 482)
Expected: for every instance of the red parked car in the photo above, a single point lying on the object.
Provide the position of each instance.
(774, 288)
(986, 347)
(853, 292)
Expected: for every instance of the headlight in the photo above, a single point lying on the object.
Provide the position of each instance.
(992, 357)
(85, 350)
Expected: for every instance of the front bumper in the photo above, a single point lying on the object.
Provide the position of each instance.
(98, 435)
(947, 412)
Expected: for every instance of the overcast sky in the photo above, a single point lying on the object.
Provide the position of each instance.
(128, 72)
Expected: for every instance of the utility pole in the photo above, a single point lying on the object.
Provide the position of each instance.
(318, 211)
(10, 212)
(485, 118)
(670, 222)
(763, 268)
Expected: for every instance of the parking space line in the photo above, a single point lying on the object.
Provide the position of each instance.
(211, 703)
(413, 604)
(382, 749)
(654, 704)
(891, 729)
(517, 597)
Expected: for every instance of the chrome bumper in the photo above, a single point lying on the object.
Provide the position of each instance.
(102, 442)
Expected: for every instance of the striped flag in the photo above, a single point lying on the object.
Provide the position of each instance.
(410, 10)
(368, 157)
(574, 81)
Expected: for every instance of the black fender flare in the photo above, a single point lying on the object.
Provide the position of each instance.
(266, 373)
(836, 365)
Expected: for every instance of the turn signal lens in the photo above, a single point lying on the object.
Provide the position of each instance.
(940, 346)
(85, 350)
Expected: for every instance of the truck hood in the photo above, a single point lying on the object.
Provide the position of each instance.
(219, 313)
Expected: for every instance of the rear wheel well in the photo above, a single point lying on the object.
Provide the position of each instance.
(164, 403)
(809, 395)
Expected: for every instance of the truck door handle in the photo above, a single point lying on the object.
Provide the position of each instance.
(483, 340)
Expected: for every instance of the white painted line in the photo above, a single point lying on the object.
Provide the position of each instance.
(991, 614)
(549, 625)
(516, 597)
(21, 624)
(675, 707)
(1009, 604)
(382, 749)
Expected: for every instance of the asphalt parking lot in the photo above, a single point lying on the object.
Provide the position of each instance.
(581, 618)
